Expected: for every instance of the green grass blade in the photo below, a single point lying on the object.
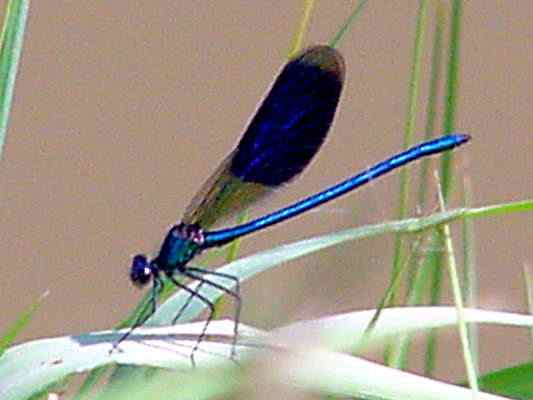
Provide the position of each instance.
(435, 282)
(415, 297)
(404, 174)
(91, 381)
(451, 96)
(458, 301)
(399, 258)
(335, 42)
(10, 50)
(231, 255)
(302, 28)
(470, 282)
(452, 88)
(514, 382)
(434, 91)
(528, 276)
(18, 326)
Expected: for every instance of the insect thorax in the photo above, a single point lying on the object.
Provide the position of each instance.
(181, 244)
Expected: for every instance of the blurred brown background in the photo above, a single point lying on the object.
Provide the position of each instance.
(123, 108)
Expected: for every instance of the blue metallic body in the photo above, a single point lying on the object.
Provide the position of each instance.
(221, 237)
(280, 141)
(183, 242)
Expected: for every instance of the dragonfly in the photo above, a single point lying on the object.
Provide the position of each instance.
(284, 135)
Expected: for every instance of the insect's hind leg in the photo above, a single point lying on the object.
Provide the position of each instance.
(204, 300)
(186, 304)
(233, 293)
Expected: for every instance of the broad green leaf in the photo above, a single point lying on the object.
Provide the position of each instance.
(514, 382)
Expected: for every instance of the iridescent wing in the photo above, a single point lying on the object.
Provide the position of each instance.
(281, 139)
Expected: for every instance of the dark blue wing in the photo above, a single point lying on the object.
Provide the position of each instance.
(293, 120)
(280, 141)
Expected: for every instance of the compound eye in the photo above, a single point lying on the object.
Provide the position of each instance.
(140, 271)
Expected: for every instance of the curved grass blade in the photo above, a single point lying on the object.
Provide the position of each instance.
(18, 326)
(514, 382)
(32, 367)
(10, 50)
(302, 28)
